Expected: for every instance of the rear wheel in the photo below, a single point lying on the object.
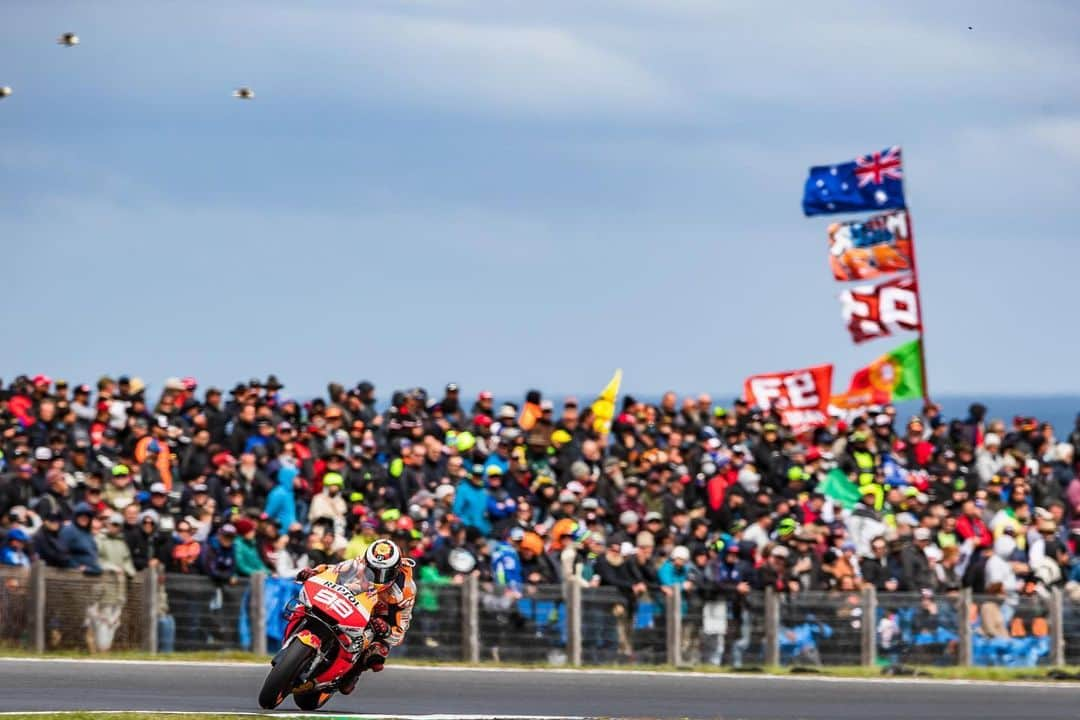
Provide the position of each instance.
(311, 700)
(283, 676)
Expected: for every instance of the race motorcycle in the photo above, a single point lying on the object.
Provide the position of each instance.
(327, 632)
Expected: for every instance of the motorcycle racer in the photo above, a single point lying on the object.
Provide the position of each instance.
(392, 578)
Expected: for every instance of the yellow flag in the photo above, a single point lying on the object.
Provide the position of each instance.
(603, 407)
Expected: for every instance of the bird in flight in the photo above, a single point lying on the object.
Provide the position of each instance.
(68, 39)
(244, 93)
(5, 91)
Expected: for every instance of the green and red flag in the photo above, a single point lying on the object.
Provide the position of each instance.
(895, 376)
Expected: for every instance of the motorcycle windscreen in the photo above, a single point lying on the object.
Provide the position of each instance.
(354, 578)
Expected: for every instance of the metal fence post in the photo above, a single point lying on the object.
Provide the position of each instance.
(470, 618)
(963, 611)
(572, 591)
(257, 613)
(868, 653)
(150, 608)
(772, 627)
(37, 606)
(1057, 627)
(673, 621)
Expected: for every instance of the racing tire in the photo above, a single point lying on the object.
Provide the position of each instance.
(311, 700)
(282, 676)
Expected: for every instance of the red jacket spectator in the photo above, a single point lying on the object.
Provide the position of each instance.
(970, 525)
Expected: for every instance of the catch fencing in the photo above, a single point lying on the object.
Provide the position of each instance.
(575, 624)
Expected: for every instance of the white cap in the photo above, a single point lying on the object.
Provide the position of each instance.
(444, 491)
(922, 533)
(681, 553)
(906, 518)
(991, 439)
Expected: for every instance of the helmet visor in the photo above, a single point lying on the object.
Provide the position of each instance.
(381, 576)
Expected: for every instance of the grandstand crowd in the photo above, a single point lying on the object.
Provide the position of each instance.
(718, 499)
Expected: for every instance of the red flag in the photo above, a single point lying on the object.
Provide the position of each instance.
(800, 396)
(864, 250)
(879, 311)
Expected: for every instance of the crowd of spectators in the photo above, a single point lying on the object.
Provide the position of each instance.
(720, 500)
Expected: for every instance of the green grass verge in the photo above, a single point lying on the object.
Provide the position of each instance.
(943, 673)
(200, 656)
(130, 716)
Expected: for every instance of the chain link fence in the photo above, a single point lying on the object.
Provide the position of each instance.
(723, 633)
(1071, 628)
(15, 606)
(525, 628)
(918, 628)
(96, 613)
(818, 628)
(47, 609)
(438, 624)
(1013, 631)
(206, 614)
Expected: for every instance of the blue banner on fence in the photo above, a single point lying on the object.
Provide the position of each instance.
(277, 592)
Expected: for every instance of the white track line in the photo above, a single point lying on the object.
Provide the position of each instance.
(335, 715)
(592, 671)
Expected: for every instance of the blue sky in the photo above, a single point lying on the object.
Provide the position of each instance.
(517, 193)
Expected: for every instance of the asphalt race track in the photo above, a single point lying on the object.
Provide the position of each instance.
(74, 685)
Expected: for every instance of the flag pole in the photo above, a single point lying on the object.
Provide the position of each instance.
(922, 309)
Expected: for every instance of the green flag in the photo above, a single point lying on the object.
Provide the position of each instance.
(839, 488)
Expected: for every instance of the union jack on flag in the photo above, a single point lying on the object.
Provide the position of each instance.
(874, 168)
(869, 182)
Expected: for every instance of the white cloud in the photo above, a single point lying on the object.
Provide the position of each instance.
(526, 68)
(1059, 135)
(417, 55)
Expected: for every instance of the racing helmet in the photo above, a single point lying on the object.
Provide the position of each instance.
(383, 561)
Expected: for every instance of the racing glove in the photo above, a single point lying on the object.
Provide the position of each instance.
(379, 627)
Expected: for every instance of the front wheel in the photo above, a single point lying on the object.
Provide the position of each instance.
(282, 676)
(311, 700)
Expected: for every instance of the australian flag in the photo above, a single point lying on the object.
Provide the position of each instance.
(870, 182)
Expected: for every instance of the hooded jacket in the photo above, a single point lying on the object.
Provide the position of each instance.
(49, 547)
(471, 504)
(281, 503)
(80, 546)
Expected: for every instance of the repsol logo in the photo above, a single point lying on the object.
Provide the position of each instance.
(339, 588)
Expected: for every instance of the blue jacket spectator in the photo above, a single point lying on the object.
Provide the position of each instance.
(48, 546)
(14, 551)
(218, 558)
(506, 566)
(676, 570)
(281, 502)
(79, 542)
(471, 503)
